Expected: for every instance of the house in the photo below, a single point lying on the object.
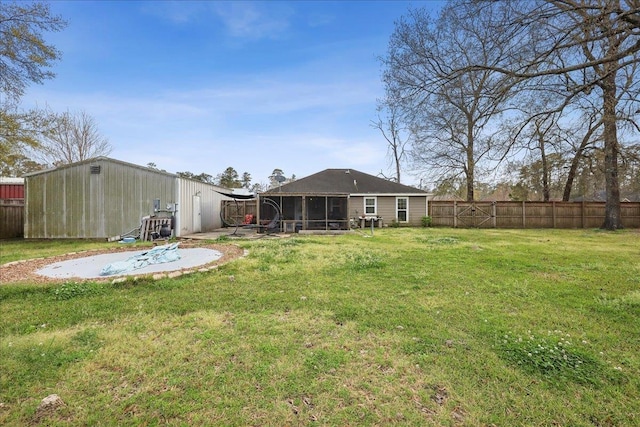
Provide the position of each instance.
(334, 199)
(104, 197)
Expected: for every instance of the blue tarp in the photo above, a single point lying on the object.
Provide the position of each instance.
(157, 255)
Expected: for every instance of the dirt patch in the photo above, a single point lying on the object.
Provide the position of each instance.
(25, 271)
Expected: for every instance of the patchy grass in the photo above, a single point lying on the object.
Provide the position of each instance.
(421, 327)
(18, 249)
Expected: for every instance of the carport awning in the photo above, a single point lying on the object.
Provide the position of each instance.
(237, 196)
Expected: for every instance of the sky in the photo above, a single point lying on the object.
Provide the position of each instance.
(201, 86)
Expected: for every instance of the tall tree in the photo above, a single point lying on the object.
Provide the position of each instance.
(630, 172)
(71, 137)
(541, 131)
(393, 131)
(278, 178)
(229, 178)
(592, 46)
(152, 165)
(538, 177)
(202, 177)
(583, 140)
(25, 58)
(452, 116)
(18, 165)
(20, 131)
(246, 180)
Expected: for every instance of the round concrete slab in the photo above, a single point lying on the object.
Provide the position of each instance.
(91, 266)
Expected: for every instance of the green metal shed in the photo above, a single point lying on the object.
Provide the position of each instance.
(104, 197)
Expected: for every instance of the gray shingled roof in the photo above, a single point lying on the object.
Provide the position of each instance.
(347, 181)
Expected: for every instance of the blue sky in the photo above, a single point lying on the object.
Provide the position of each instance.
(200, 86)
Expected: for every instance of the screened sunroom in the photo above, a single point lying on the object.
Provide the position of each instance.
(298, 212)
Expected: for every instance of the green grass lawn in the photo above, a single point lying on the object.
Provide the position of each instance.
(426, 326)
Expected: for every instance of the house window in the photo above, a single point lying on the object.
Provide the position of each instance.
(370, 205)
(402, 209)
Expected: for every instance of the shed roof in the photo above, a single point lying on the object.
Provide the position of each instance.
(95, 160)
(346, 181)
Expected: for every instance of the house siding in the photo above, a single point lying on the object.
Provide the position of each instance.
(386, 208)
(356, 206)
(417, 209)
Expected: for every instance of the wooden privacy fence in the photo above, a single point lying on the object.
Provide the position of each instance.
(451, 213)
(234, 211)
(11, 218)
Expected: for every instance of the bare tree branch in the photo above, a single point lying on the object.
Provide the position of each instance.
(71, 137)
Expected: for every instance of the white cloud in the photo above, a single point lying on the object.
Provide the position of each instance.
(240, 19)
(302, 115)
(252, 125)
(177, 12)
(254, 20)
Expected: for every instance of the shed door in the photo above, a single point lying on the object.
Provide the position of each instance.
(197, 215)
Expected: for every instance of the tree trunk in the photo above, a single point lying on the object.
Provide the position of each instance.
(470, 195)
(471, 166)
(546, 193)
(571, 176)
(612, 218)
(575, 162)
(396, 158)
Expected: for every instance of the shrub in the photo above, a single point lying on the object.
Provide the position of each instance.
(426, 221)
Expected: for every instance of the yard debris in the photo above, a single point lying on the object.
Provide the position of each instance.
(51, 401)
(47, 407)
(458, 414)
(293, 407)
(307, 401)
(440, 396)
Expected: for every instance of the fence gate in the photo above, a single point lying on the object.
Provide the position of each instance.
(474, 214)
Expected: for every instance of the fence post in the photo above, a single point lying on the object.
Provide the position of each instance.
(553, 213)
(582, 213)
(455, 214)
(524, 216)
(493, 214)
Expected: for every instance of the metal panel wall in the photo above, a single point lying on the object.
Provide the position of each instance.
(93, 199)
(210, 205)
